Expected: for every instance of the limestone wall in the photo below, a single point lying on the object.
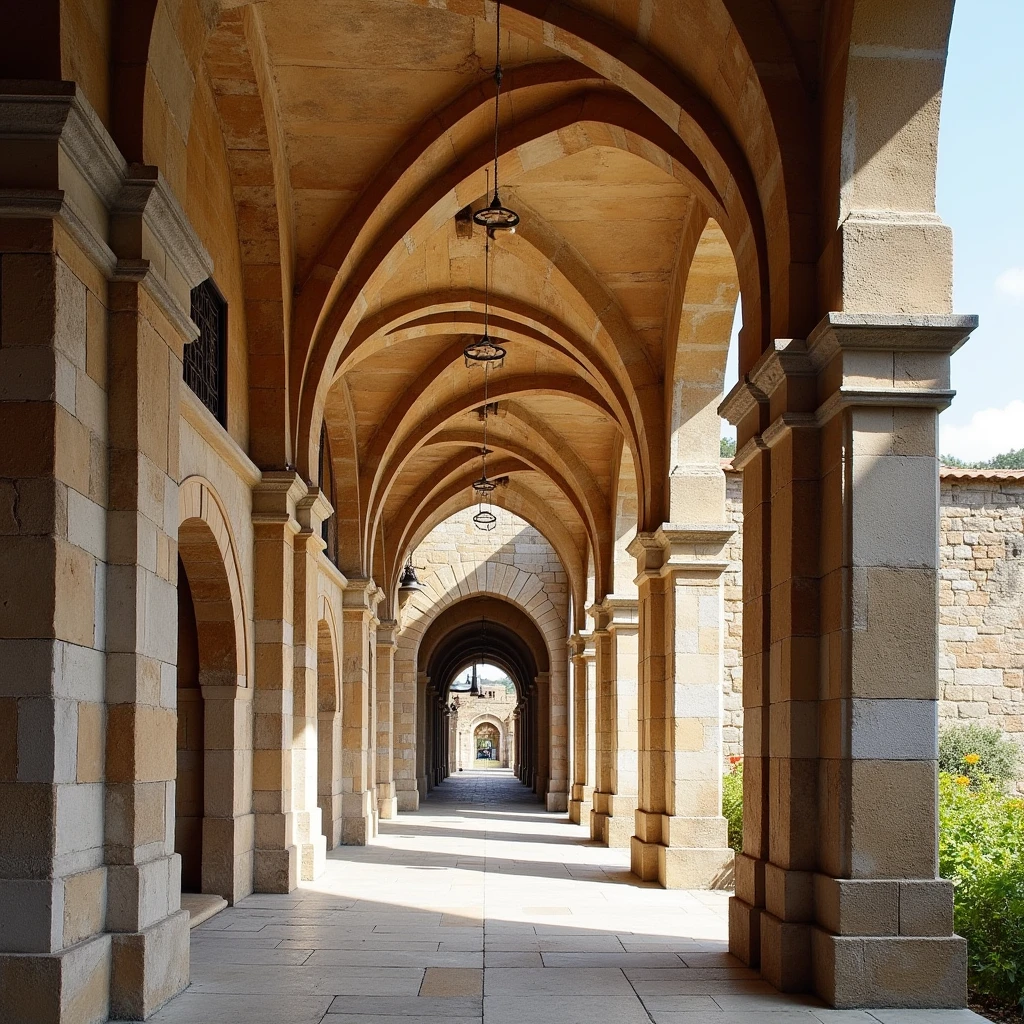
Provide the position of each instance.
(981, 603)
(514, 562)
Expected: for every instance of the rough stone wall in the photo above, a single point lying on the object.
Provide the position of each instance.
(981, 604)
(981, 600)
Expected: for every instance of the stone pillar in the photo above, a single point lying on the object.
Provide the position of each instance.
(276, 858)
(883, 933)
(422, 735)
(748, 408)
(311, 510)
(616, 629)
(681, 836)
(387, 803)
(542, 777)
(358, 810)
(584, 709)
(852, 906)
(406, 733)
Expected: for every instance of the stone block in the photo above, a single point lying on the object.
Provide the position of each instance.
(149, 967)
(85, 905)
(913, 973)
(785, 953)
(73, 985)
(857, 906)
(926, 908)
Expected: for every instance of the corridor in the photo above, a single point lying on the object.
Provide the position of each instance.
(481, 906)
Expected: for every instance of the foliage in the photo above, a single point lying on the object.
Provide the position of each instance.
(728, 448)
(732, 803)
(1007, 460)
(981, 849)
(979, 752)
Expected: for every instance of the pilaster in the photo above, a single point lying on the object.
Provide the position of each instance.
(387, 802)
(584, 679)
(275, 529)
(311, 510)
(616, 637)
(359, 812)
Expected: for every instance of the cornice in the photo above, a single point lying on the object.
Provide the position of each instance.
(107, 226)
(223, 444)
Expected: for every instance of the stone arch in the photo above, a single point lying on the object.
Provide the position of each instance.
(491, 720)
(447, 585)
(695, 366)
(328, 733)
(209, 558)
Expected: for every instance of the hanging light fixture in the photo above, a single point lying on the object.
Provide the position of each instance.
(494, 216)
(486, 351)
(409, 581)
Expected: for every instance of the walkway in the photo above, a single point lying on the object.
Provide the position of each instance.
(484, 907)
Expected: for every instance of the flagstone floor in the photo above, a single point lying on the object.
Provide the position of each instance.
(484, 909)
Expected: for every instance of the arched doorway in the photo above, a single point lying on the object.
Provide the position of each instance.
(214, 733)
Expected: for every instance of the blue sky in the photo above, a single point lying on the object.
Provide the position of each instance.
(981, 197)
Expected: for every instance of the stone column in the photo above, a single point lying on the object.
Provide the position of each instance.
(275, 527)
(883, 933)
(748, 409)
(681, 836)
(406, 732)
(311, 510)
(542, 777)
(616, 629)
(358, 810)
(584, 709)
(422, 735)
(387, 803)
(852, 906)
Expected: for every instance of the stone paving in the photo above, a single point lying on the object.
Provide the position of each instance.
(482, 907)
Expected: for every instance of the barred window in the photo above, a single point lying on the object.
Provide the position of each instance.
(205, 360)
(330, 525)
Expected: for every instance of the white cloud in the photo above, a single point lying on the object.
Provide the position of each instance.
(990, 431)
(1011, 283)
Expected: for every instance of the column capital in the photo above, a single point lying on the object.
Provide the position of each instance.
(311, 509)
(615, 612)
(902, 361)
(361, 593)
(387, 633)
(275, 497)
(682, 549)
(124, 216)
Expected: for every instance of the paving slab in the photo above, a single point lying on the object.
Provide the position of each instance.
(482, 908)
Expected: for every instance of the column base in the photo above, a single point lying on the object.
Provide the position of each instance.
(275, 870)
(681, 868)
(893, 971)
(786, 954)
(612, 819)
(358, 823)
(745, 931)
(148, 967)
(312, 858)
(408, 800)
(387, 807)
(228, 856)
(70, 987)
(580, 811)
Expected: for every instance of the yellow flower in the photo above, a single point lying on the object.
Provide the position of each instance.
(962, 780)
(972, 758)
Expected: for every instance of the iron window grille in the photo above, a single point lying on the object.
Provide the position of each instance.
(205, 361)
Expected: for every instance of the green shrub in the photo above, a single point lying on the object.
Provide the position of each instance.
(981, 849)
(732, 804)
(998, 758)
